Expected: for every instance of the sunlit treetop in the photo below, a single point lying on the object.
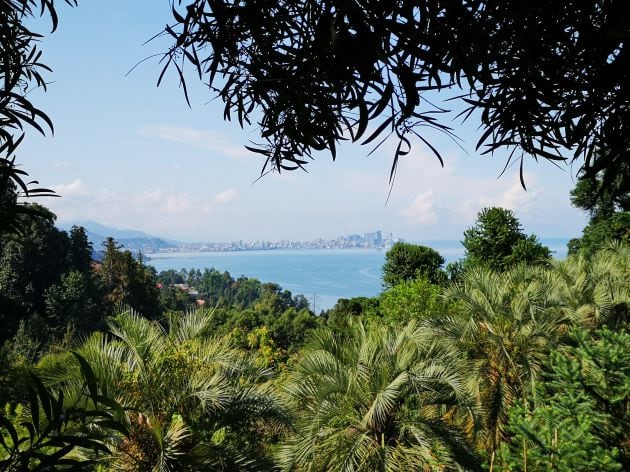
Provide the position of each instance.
(548, 79)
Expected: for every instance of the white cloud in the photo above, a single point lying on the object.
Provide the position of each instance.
(515, 197)
(73, 189)
(344, 197)
(226, 197)
(203, 139)
(505, 194)
(422, 210)
(163, 211)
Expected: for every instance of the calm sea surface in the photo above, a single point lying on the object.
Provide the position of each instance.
(322, 275)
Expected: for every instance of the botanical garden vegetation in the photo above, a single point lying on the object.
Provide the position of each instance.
(518, 364)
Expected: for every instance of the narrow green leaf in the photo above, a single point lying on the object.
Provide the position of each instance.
(88, 375)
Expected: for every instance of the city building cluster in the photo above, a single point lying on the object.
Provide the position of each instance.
(375, 240)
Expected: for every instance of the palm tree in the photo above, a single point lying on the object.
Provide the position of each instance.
(507, 324)
(191, 400)
(595, 289)
(378, 399)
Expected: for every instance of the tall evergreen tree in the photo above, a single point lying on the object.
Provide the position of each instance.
(405, 262)
(127, 281)
(497, 241)
(80, 250)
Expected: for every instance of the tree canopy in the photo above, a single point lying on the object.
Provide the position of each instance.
(477, 374)
(547, 80)
(609, 214)
(406, 261)
(581, 418)
(497, 241)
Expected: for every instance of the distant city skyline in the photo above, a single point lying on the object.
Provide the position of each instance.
(373, 240)
(140, 241)
(137, 241)
(130, 155)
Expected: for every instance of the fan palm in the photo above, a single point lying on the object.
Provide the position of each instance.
(187, 395)
(595, 289)
(378, 400)
(507, 323)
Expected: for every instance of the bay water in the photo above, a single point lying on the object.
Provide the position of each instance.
(321, 275)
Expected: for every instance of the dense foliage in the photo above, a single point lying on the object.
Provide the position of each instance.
(549, 80)
(404, 262)
(497, 241)
(580, 420)
(46, 281)
(508, 369)
(609, 214)
(379, 398)
(193, 399)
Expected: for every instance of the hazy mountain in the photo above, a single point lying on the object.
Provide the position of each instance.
(133, 240)
(101, 229)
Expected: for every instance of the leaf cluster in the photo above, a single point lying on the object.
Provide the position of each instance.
(57, 431)
(21, 72)
(377, 398)
(546, 80)
(580, 420)
(321, 72)
(192, 400)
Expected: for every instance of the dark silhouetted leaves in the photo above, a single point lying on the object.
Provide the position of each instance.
(548, 79)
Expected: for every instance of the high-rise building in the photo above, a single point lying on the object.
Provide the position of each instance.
(378, 239)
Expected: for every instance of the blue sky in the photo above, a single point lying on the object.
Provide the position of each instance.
(130, 155)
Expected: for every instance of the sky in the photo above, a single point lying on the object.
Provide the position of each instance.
(128, 154)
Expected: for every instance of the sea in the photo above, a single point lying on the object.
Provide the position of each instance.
(322, 275)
